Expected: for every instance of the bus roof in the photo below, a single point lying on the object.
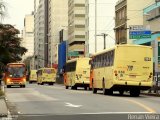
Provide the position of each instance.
(15, 64)
(75, 59)
(45, 68)
(121, 45)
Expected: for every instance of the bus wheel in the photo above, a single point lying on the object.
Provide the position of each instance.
(94, 90)
(30, 82)
(66, 87)
(85, 87)
(134, 93)
(74, 88)
(8, 86)
(41, 83)
(121, 92)
(109, 92)
(104, 89)
(51, 83)
(23, 86)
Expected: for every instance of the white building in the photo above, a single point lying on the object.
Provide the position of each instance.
(57, 20)
(78, 28)
(39, 31)
(28, 35)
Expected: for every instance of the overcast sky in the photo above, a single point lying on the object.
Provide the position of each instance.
(16, 11)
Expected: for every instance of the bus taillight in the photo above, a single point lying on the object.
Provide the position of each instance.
(115, 72)
(150, 75)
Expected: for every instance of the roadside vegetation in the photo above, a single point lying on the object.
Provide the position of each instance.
(10, 43)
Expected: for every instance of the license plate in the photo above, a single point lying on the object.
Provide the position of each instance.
(16, 83)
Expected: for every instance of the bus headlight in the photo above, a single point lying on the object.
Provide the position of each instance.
(24, 79)
(8, 79)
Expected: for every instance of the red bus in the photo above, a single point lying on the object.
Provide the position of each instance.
(15, 74)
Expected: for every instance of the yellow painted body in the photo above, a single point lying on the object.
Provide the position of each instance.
(132, 66)
(33, 76)
(46, 75)
(79, 75)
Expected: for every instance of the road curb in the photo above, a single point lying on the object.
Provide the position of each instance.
(3, 108)
(151, 94)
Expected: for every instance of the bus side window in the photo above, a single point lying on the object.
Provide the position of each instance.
(112, 57)
(107, 60)
(103, 61)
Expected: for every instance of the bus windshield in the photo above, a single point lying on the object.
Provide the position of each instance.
(16, 71)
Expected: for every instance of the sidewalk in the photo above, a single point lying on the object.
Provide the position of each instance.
(151, 94)
(3, 107)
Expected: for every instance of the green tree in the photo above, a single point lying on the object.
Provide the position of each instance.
(10, 48)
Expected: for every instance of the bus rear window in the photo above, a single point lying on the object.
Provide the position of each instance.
(48, 71)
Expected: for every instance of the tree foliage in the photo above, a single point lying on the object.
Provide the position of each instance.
(10, 48)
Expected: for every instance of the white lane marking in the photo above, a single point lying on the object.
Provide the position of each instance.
(72, 105)
(119, 113)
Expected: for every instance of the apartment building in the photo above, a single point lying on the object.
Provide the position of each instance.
(57, 20)
(28, 35)
(151, 15)
(40, 30)
(77, 28)
(128, 12)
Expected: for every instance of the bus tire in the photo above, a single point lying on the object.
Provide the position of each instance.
(109, 92)
(30, 82)
(121, 92)
(94, 90)
(104, 89)
(85, 87)
(23, 86)
(134, 93)
(74, 87)
(66, 87)
(42, 83)
(51, 83)
(8, 86)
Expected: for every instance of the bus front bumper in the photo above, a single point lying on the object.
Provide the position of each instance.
(15, 83)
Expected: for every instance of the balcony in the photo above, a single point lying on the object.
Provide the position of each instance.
(120, 22)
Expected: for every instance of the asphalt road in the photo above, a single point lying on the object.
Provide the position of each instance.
(36, 102)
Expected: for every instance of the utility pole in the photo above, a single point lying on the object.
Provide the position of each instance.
(104, 37)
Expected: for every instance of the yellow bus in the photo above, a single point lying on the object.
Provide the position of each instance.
(33, 76)
(123, 68)
(77, 73)
(46, 76)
